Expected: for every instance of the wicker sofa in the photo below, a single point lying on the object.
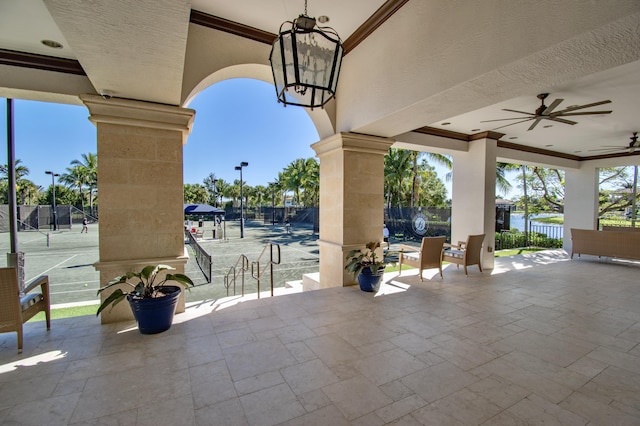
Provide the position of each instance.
(620, 244)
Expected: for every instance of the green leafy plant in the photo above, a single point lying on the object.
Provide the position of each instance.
(143, 284)
(359, 259)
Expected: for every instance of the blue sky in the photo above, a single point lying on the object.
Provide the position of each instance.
(236, 120)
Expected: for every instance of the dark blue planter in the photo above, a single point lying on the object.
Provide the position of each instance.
(156, 315)
(368, 281)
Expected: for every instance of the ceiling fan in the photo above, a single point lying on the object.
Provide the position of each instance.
(633, 145)
(546, 113)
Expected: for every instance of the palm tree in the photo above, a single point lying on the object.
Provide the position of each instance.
(29, 191)
(76, 176)
(397, 167)
(502, 183)
(89, 169)
(311, 183)
(294, 177)
(195, 194)
(212, 186)
(25, 188)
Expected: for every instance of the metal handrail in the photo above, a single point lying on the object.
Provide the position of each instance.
(244, 266)
(270, 264)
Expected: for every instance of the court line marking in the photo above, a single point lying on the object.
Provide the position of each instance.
(53, 267)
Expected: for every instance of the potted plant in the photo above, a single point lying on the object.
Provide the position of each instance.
(366, 266)
(153, 303)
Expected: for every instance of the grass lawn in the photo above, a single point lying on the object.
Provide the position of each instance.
(515, 252)
(75, 311)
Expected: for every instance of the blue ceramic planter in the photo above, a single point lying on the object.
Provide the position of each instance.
(156, 315)
(369, 281)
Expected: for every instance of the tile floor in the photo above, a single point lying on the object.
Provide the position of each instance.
(539, 340)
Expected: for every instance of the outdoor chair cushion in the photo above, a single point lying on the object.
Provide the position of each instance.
(415, 256)
(30, 300)
(455, 253)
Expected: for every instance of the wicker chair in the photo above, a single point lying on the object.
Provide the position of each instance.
(465, 253)
(16, 309)
(429, 256)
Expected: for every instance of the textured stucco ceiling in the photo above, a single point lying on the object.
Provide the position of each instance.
(138, 50)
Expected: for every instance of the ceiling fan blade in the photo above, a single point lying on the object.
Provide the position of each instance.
(535, 123)
(560, 114)
(503, 119)
(610, 148)
(561, 120)
(573, 108)
(511, 124)
(519, 112)
(551, 107)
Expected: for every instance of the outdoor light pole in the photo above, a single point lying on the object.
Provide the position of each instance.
(273, 203)
(242, 164)
(215, 194)
(53, 197)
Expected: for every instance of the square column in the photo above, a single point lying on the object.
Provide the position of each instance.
(351, 200)
(580, 201)
(141, 188)
(473, 209)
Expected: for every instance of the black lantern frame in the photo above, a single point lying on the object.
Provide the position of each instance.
(305, 61)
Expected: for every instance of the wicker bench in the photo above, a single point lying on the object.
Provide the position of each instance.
(620, 244)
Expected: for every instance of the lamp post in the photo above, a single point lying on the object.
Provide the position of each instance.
(242, 164)
(215, 194)
(53, 198)
(273, 203)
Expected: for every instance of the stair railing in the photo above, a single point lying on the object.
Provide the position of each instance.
(241, 265)
(257, 273)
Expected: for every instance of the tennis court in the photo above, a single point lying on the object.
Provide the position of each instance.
(69, 259)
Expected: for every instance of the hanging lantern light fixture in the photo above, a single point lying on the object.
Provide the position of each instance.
(305, 60)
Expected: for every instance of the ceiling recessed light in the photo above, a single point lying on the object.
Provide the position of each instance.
(323, 19)
(446, 123)
(548, 125)
(577, 151)
(475, 130)
(52, 44)
(513, 137)
(548, 145)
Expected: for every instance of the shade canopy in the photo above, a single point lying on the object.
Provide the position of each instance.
(202, 209)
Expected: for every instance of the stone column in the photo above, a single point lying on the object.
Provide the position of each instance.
(140, 186)
(351, 200)
(580, 201)
(473, 209)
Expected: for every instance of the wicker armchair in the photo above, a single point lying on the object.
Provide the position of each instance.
(465, 253)
(429, 256)
(16, 309)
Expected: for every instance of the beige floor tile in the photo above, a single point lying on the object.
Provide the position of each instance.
(556, 350)
(546, 343)
(467, 407)
(356, 397)
(271, 406)
(228, 412)
(256, 358)
(400, 408)
(536, 410)
(438, 381)
(54, 410)
(308, 376)
(597, 412)
(324, 416)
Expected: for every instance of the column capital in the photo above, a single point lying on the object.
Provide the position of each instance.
(128, 112)
(347, 141)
